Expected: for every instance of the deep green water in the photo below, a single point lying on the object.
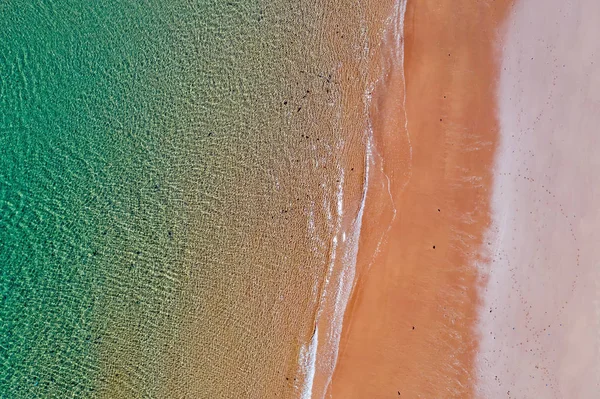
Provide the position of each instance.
(157, 160)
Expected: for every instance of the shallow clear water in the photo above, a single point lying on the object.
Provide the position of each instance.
(165, 177)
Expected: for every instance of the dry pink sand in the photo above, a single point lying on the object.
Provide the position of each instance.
(540, 324)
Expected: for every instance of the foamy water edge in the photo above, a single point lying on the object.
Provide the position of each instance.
(323, 355)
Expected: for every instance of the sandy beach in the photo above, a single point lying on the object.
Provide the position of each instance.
(409, 327)
(540, 323)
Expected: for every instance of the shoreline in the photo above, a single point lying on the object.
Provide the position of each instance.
(319, 354)
(416, 252)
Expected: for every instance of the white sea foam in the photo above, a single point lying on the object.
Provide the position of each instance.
(308, 358)
(346, 279)
(321, 356)
(337, 286)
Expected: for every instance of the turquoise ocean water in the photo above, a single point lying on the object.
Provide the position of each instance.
(166, 172)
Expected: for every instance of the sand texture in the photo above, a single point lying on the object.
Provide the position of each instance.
(409, 327)
(539, 328)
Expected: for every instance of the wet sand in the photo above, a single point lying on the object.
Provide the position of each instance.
(409, 327)
(541, 322)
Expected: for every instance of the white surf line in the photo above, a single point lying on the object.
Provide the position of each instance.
(326, 352)
(310, 352)
(347, 278)
(308, 358)
(348, 273)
